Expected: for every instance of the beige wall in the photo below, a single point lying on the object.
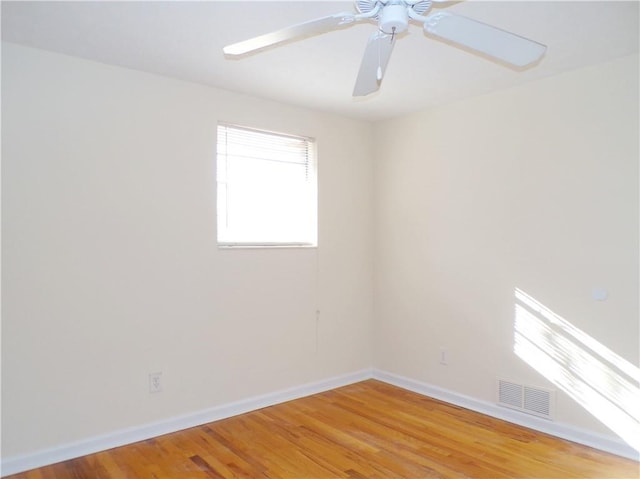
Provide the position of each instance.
(110, 265)
(110, 269)
(534, 188)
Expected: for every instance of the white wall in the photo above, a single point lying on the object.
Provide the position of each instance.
(535, 188)
(110, 265)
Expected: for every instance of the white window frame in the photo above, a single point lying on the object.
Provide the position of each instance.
(239, 149)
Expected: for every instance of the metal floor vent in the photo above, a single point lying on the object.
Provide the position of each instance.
(529, 399)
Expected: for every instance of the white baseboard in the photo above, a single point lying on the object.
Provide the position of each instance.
(564, 431)
(14, 465)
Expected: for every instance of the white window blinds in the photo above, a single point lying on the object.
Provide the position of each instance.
(266, 188)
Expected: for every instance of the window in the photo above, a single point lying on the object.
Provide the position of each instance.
(266, 188)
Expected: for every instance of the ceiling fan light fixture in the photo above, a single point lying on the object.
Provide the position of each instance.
(394, 19)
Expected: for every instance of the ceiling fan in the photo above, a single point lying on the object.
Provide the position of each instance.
(393, 17)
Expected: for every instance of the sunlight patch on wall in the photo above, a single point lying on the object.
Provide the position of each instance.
(598, 379)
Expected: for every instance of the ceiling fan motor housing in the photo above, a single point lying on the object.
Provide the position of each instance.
(365, 6)
(394, 18)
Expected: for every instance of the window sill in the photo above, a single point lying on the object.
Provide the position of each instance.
(265, 245)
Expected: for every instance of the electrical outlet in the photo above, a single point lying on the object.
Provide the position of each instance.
(155, 382)
(444, 356)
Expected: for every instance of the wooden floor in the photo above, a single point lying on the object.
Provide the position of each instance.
(365, 430)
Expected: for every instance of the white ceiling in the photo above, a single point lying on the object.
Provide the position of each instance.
(184, 40)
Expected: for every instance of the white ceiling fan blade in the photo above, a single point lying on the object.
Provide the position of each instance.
(374, 63)
(306, 29)
(492, 41)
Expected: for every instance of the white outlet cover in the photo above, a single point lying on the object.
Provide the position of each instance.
(155, 382)
(443, 356)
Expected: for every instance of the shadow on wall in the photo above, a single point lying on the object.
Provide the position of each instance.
(602, 382)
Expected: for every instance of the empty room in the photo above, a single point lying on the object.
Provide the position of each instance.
(320, 239)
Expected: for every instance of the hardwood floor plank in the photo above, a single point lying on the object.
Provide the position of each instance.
(366, 430)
